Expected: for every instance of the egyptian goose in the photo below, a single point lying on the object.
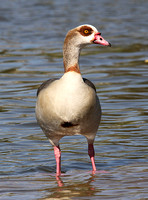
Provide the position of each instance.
(69, 105)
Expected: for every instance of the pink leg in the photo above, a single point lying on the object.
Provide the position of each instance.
(57, 153)
(91, 154)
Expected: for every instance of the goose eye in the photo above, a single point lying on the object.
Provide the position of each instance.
(86, 31)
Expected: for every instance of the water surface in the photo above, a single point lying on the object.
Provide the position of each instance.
(31, 40)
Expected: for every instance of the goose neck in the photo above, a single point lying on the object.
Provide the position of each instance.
(71, 54)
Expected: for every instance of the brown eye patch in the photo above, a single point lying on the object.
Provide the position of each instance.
(85, 30)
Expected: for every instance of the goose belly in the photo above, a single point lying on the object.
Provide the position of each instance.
(68, 110)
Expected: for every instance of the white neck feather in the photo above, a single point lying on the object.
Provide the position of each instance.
(71, 54)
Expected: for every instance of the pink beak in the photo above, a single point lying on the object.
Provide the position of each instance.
(100, 40)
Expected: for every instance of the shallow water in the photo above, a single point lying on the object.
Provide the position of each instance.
(31, 39)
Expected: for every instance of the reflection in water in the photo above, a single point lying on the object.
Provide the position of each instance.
(77, 189)
(59, 181)
(118, 183)
(92, 173)
(31, 39)
(130, 180)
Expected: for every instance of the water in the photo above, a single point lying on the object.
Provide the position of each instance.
(31, 39)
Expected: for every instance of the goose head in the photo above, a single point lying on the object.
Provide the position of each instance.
(84, 35)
